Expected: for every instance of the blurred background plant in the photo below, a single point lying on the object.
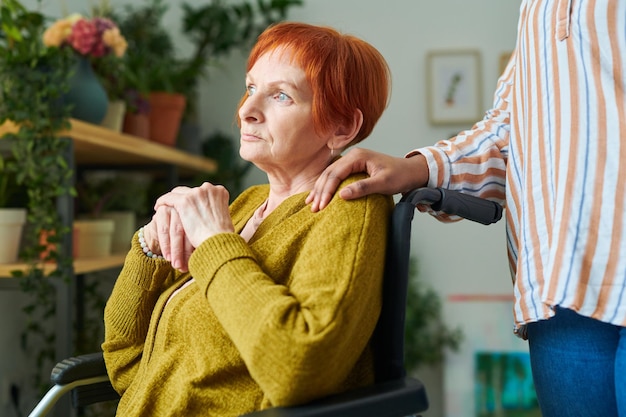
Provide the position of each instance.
(214, 29)
(102, 191)
(33, 78)
(426, 336)
(11, 194)
(97, 39)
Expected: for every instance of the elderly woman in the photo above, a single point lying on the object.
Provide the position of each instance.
(263, 303)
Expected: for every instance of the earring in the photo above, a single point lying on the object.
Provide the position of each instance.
(332, 152)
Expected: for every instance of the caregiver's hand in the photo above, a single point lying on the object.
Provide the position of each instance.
(387, 175)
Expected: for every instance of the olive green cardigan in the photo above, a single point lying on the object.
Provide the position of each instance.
(280, 320)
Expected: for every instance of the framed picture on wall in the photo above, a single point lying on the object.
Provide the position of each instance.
(454, 88)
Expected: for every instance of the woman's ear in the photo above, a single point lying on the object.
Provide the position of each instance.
(344, 134)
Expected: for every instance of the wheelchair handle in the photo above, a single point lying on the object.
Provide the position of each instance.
(456, 203)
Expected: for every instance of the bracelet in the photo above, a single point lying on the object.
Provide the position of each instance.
(145, 248)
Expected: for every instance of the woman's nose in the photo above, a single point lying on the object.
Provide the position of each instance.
(250, 110)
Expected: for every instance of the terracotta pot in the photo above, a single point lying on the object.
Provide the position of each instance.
(166, 111)
(137, 125)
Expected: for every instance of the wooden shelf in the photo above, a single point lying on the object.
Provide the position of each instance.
(81, 265)
(97, 145)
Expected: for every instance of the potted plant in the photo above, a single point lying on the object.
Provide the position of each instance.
(95, 42)
(12, 215)
(33, 78)
(113, 198)
(110, 67)
(111, 72)
(137, 115)
(150, 66)
(213, 29)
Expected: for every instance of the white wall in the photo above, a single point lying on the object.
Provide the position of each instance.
(459, 258)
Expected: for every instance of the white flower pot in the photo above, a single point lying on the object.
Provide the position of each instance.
(114, 117)
(12, 222)
(93, 238)
(124, 229)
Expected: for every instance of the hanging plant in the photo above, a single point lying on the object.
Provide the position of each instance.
(33, 79)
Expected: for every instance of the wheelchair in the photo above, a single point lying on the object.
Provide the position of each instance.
(394, 394)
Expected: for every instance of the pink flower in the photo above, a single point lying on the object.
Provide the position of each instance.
(84, 36)
(95, 37)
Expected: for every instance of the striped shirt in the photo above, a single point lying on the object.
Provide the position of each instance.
(550, 150)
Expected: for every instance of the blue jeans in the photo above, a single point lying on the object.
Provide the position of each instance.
(578, 366)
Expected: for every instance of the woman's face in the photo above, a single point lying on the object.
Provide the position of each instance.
(277, 132)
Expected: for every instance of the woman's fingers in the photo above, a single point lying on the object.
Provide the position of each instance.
(176, 239)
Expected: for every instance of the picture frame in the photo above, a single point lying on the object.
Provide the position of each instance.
(454, 87)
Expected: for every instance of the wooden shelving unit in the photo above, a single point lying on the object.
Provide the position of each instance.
(96, 145)
(81, 266)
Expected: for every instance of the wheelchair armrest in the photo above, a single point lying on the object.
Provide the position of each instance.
(77, 371)
(402, 397)
(85, 376)
(78, 367)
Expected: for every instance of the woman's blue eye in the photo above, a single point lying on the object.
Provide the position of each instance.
(251, 90)
(283, 97)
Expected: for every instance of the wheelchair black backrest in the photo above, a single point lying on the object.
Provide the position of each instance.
(388, 339)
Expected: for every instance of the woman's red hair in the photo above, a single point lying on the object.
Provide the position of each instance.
(345, 73)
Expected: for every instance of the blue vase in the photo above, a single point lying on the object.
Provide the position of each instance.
(86, 94)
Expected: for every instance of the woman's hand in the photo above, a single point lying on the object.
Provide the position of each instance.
(388, 175)
(186, 217)
(165, 236)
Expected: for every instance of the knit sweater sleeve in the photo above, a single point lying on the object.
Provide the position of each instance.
(300, 340)
(128, 312)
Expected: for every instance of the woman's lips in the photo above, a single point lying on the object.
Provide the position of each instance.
(250, 137)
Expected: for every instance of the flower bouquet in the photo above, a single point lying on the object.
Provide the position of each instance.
(94, 37)
(98, 77)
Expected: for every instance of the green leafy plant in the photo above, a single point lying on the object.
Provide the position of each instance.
(426, 337)
(33, 79)
(217, 28)
(151, 53)
(214, 29)
(11, 194)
